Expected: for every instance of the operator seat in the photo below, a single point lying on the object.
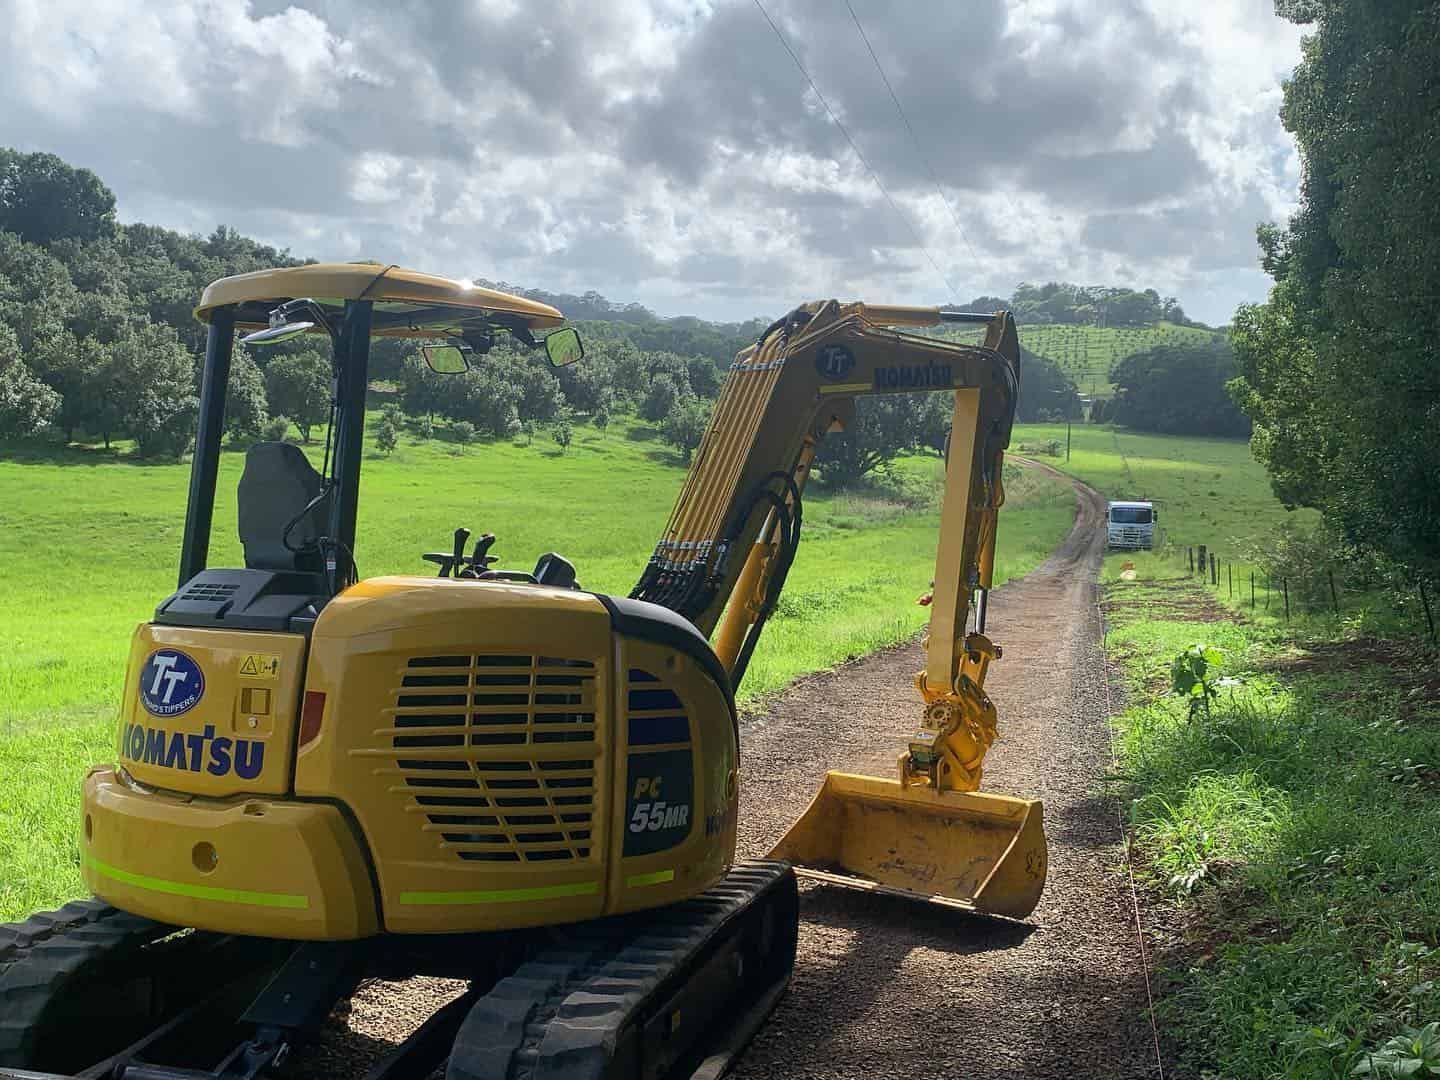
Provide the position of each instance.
(275, 488)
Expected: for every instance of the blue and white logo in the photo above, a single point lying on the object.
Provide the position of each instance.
(834, 362)
(170, 683)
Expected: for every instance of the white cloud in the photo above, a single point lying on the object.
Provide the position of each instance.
(669, 152)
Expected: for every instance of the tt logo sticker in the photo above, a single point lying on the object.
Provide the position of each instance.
(834, 362)
(170, 683)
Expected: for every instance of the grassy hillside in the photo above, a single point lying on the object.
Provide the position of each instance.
(1087, 353)
(88, 546)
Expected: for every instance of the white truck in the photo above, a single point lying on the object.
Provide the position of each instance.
(1130, 525)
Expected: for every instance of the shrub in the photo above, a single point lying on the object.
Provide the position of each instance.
(277, 428)
(387, 434)
(562, 431)
(660, 400)
(685, 426)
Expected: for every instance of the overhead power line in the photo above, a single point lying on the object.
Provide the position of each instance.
(934, 179)
(855, 147)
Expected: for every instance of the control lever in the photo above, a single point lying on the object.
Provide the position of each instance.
(450, 561)
(480, 559)
(462, 534)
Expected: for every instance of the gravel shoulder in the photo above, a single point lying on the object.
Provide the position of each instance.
(885, 987)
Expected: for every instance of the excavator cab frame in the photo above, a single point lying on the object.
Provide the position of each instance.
(349, 303)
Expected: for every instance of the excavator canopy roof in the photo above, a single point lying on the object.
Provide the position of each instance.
(407, 302)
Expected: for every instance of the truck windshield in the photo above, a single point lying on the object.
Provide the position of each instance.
(1130, 515)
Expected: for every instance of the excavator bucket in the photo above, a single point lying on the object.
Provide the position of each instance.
(982, 853)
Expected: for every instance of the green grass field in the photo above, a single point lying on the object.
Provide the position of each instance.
(1087, 353)
(89, 543)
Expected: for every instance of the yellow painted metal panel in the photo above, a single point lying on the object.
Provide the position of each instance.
(468, 727)
(221, 744)
(986, 852)
(396, 287)
(199, 892)
(956, 551)
(269, 868)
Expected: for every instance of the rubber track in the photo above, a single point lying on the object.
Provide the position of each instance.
(43, 953)
(561, 1014)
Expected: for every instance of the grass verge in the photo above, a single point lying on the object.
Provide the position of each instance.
(1290, 834)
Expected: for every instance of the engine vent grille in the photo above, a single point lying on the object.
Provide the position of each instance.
(496, 754)
(212, 592)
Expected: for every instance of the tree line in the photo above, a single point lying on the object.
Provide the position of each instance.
(1095, 305)
(97, 341)
(1338, 369)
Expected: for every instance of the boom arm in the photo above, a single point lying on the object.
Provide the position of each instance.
(731, 538)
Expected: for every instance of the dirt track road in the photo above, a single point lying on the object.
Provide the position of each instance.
(885, 987)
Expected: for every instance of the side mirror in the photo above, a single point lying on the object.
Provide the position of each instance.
(274, 334)
(563, 347)
(289, 320)
(446, 359)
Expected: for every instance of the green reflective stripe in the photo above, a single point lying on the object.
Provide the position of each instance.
(659, 877)
(198, 892)
(502, 896)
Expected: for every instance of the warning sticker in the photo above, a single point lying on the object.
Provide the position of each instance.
(260, 666)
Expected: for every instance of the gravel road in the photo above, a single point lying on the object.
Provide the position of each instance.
(885, 987)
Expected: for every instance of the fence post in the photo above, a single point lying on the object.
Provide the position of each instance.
(1202, 561)
(1425, 601)
(1230, 578)
(1252, 590)
(1334, 596)
(1190, 556)
(1285, 584)
(1214, 569)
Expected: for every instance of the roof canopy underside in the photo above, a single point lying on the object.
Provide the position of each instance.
(407, 302)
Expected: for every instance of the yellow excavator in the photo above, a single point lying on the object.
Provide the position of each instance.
(495, 775)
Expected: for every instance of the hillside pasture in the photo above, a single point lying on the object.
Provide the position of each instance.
(1088, 353)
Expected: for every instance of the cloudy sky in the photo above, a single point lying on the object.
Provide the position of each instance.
(671, 152)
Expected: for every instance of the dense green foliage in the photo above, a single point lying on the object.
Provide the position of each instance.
(1338, 369)
(42, 200)
(1062, 302)
(1178, 390)
(297, 386)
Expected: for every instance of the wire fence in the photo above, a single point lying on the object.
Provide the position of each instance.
(1314, 592)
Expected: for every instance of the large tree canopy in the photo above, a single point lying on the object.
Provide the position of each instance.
(44, 200)
(1339, 369)
(1178, 390)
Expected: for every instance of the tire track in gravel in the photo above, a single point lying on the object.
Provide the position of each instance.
(887, 987)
